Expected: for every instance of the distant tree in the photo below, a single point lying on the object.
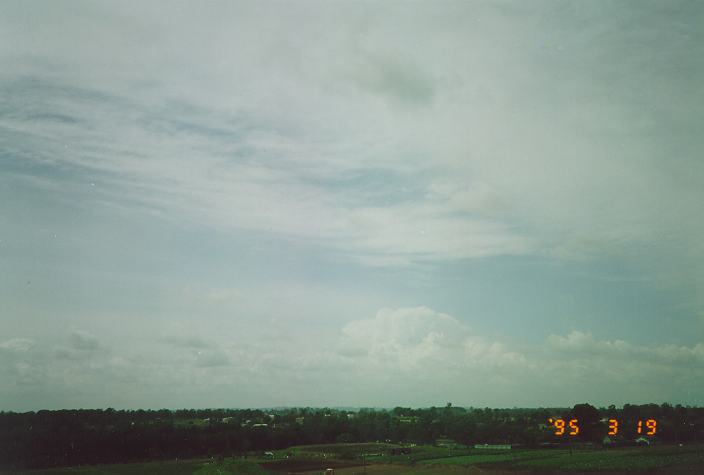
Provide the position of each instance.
(588, 422)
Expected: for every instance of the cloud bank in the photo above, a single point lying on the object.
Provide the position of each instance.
(430, 354)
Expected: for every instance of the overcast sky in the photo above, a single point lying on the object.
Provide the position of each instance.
(226, 204)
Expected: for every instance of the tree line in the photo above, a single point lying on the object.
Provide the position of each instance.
(93, 436)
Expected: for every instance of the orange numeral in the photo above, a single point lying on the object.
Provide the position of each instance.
(613, 427)
(574, 427)
(559, 426)
(639, 429)
(652, 425)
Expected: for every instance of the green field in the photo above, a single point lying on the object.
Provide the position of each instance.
(632, 458)
(424, 459)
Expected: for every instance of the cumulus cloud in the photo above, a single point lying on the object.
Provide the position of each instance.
(428, 355)
(439, 349)
(583, 345)
(415, 338)
(403, 327)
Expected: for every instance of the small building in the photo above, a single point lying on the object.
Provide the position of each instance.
(493, 446)
(408, 419)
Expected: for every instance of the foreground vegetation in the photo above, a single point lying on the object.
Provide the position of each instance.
(308, 459)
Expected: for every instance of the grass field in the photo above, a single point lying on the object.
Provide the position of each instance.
(424, 460)
(344, 448)
(623, 459)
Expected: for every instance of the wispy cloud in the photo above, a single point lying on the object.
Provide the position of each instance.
(295, 130)
(16, 345)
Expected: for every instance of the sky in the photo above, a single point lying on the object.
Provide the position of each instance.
(370, 204)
